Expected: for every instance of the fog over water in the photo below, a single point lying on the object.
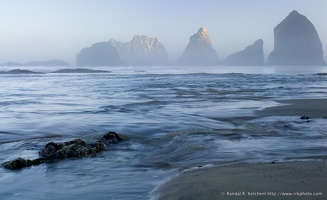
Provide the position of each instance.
(171, 118)
(44, 30)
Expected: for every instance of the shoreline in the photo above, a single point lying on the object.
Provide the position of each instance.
(314, 108)
(286, 180)
(281, 180)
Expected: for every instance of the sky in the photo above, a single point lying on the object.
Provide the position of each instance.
(58, 29)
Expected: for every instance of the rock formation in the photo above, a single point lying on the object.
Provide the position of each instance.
(72, 149)
(141, 50)
(99, 54)
(80, 70)
(296, 42)
(48, 63)
(250, 56)
(20, 71)
(199, 50)
(11, 64)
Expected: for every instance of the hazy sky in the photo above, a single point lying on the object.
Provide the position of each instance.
(58, 29)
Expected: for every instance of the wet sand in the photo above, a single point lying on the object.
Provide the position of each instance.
(284, 180)
(293, 180)
(297, 107)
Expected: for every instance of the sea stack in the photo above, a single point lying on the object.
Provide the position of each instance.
(296, 42)
(99, 54)
(199, 50)
(11, 64)
(250, 56)
(141, 50)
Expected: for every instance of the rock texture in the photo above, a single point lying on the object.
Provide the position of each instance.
(141, 50)
(296, 42)
(73, 149)
(250, 56)
(99, 54)
(199, 50)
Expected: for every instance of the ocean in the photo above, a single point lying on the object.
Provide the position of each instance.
(172, 119)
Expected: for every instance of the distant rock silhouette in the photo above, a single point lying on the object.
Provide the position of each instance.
(12, 64)
(48, 63)
(296, 42)
(20, 71)
(80, 70)
(199, 50)
(141, 50)
(99, 54)
(251, 55)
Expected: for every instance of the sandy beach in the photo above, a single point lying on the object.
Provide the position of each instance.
(297, 107)
(291, 180)
(280, 180)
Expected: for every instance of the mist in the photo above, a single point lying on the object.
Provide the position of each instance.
(38, 30)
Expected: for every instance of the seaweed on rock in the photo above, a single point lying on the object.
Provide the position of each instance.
(76, 148)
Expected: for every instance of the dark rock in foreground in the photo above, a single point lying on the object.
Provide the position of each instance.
(80, 70)
(250, 56)
(78, 148)
(19, 163)
(73, 149)
(296, 43)
(20, 71)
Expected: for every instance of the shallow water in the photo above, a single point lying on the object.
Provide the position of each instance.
(172, 119)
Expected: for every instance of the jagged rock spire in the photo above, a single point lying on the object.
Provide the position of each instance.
(199, 50)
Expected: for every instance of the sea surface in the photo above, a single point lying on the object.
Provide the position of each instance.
(172, 119)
